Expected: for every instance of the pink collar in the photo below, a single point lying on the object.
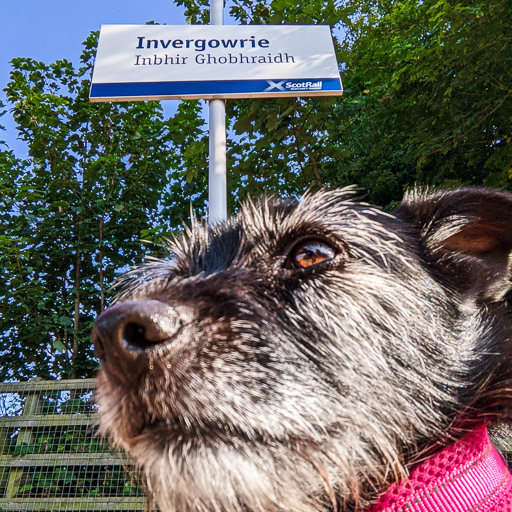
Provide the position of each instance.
(468, 476)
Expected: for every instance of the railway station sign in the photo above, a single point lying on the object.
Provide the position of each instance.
(158, 62)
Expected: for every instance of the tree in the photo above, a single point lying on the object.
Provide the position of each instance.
(75, 212)
(430, 98)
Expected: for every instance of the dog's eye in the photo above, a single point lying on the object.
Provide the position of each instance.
(310, 253)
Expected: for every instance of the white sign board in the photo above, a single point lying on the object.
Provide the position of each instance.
(155, 62)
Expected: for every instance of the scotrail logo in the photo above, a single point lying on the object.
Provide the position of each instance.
(303, 86)
(294, 85)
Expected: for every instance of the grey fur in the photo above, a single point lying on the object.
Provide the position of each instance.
(258, 386)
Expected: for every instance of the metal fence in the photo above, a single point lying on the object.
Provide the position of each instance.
(50, 456)
(52, 460)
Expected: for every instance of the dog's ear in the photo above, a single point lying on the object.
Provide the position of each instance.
(467, 236)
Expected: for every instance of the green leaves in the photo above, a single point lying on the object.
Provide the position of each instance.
(72, 212)
(427, 101)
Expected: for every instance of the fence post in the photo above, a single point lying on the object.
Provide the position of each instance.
(4, 471)
(31, 407)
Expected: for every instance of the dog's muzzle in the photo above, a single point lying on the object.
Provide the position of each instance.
(126, 334)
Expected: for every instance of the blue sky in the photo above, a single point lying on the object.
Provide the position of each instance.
(48, 30)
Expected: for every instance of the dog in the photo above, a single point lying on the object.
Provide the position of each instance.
(309, 355)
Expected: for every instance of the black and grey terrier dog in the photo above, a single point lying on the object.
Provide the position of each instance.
(304, 355)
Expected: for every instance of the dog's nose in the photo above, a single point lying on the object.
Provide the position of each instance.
(124, 333)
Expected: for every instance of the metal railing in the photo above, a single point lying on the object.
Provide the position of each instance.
(51, 458)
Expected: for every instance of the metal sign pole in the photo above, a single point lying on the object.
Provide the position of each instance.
(217, 195)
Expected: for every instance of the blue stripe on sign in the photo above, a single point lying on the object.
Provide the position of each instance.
(120, 90)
